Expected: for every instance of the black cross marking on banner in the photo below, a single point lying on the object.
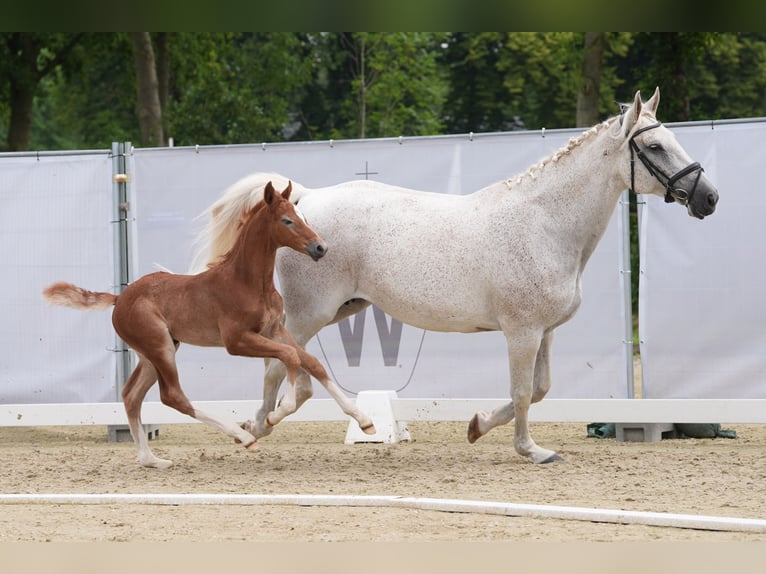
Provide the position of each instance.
(366, 173)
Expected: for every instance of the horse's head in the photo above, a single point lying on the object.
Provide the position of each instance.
(290, 227)
(665, 168)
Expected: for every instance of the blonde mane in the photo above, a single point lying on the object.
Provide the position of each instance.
(239, 237)
(219, 235)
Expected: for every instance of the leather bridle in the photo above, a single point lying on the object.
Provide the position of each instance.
(672, 193)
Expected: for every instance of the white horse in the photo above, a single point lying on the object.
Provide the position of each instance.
(508, 257)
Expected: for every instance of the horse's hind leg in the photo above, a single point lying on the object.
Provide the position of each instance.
(140, 381)
(173, 396)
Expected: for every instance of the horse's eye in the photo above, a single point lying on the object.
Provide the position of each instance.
(287, 221)
(655, 147)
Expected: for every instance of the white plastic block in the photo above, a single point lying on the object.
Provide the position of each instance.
(377, 405)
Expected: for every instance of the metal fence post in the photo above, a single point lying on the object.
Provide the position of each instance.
(119, 222)
(122, 276)
(625, 276)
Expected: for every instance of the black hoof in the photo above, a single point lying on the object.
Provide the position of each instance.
(553, 458)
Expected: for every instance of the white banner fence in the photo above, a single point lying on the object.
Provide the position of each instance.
(699, 311)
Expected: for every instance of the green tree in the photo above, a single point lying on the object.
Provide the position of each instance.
(148, 108)
(665, 59)
(213, 89)
(91, 101)
(478, 100)
(235, 88)
(373, 85)
(403, 89)
(730, 77)
(26, 58)
(590, 84)
(502, 81)
(513, 80)
(219, 88)
(319, 114)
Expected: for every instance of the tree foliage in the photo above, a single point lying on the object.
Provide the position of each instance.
(26, 59)
(92, 101)
(235, 88)
(373, 85)
(227, 88)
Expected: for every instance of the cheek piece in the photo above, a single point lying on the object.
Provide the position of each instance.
(672, 193)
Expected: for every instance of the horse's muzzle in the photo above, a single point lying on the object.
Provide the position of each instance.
(704, 201)
(316, 249)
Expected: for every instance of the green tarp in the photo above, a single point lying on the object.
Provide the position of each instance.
(690, 430)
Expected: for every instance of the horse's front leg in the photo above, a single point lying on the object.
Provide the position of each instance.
(272, 379)
(522, 354)
(303, 389)
(530, 379)
(313, 366)
(263, 424)
(542, 381)
(483, 422)
(252, 344)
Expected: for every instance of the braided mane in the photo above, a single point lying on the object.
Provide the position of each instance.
(573, 144)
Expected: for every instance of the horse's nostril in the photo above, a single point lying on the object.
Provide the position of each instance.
(316, 250)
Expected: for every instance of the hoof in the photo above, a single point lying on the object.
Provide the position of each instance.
(369, 429)
(473, 430)
(553, 458)
(160, 463)
(248, 426)
(243, 426)
(252, 446)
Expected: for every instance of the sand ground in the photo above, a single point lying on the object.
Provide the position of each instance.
(719, 477)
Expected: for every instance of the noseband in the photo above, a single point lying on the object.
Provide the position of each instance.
(671, 193)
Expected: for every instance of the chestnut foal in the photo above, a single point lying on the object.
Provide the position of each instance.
(233, 304)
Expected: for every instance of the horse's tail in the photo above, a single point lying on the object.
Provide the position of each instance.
(221, 230)
(70, 295)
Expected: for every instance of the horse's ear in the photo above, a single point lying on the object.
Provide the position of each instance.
(632, 113)
(288, 190)
(654, 101)
(268, 193)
